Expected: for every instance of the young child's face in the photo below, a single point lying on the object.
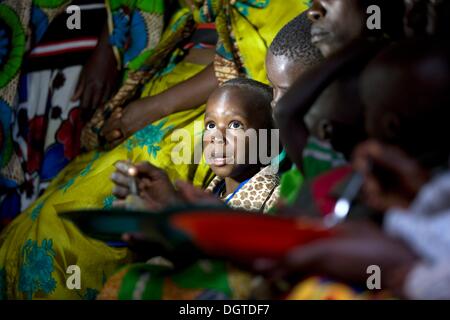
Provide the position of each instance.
(282, 73)
(229, 114)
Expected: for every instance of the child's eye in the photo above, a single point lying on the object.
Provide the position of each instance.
(210, 126)
(236, 125)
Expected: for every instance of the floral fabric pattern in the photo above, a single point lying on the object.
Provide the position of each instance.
(37, 267)
(148, 138)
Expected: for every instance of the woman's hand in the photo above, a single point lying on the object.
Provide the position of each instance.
(186, 95)
(392, 178)
(153, 185)
(125, 122)
(120, 124)
(98, 79)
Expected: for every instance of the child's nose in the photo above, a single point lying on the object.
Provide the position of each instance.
(218, 137)
(218, 140)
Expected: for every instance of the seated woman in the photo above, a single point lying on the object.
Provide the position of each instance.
(47, 123)
(237, 108)
(289, 56)
(178, 79)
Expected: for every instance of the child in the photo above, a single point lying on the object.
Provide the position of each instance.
(238, 106)
(290, 55)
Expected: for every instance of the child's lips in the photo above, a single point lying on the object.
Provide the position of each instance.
(220, 161)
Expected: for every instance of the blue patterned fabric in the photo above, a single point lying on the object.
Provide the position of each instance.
(148, 137)
(37, 268)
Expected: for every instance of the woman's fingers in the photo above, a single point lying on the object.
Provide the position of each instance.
(112, 124)
(121, 203)
(113, 135)
(117, 113)
(112, 131)
(121, 179)
(121, 192)
(123, 166)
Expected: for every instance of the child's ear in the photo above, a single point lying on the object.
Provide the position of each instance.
(325, 130)
(390, 124)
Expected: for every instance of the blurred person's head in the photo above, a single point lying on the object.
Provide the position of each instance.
(338, 115)
(427, 17)
(406, 91)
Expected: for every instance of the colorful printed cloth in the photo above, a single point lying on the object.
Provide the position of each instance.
(317, 288)
(135, 29)
(318, 158)
(244, 36)
(258, 194)
(47, 125)
(38, 235)
(204, 279)
(40, 125)
(16, 19)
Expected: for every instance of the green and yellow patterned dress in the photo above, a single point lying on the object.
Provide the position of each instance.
(37, 248)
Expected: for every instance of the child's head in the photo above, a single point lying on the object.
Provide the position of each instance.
(231, 110)
(337, 116)
(290, 54)
(407, 95)
(425, 17)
